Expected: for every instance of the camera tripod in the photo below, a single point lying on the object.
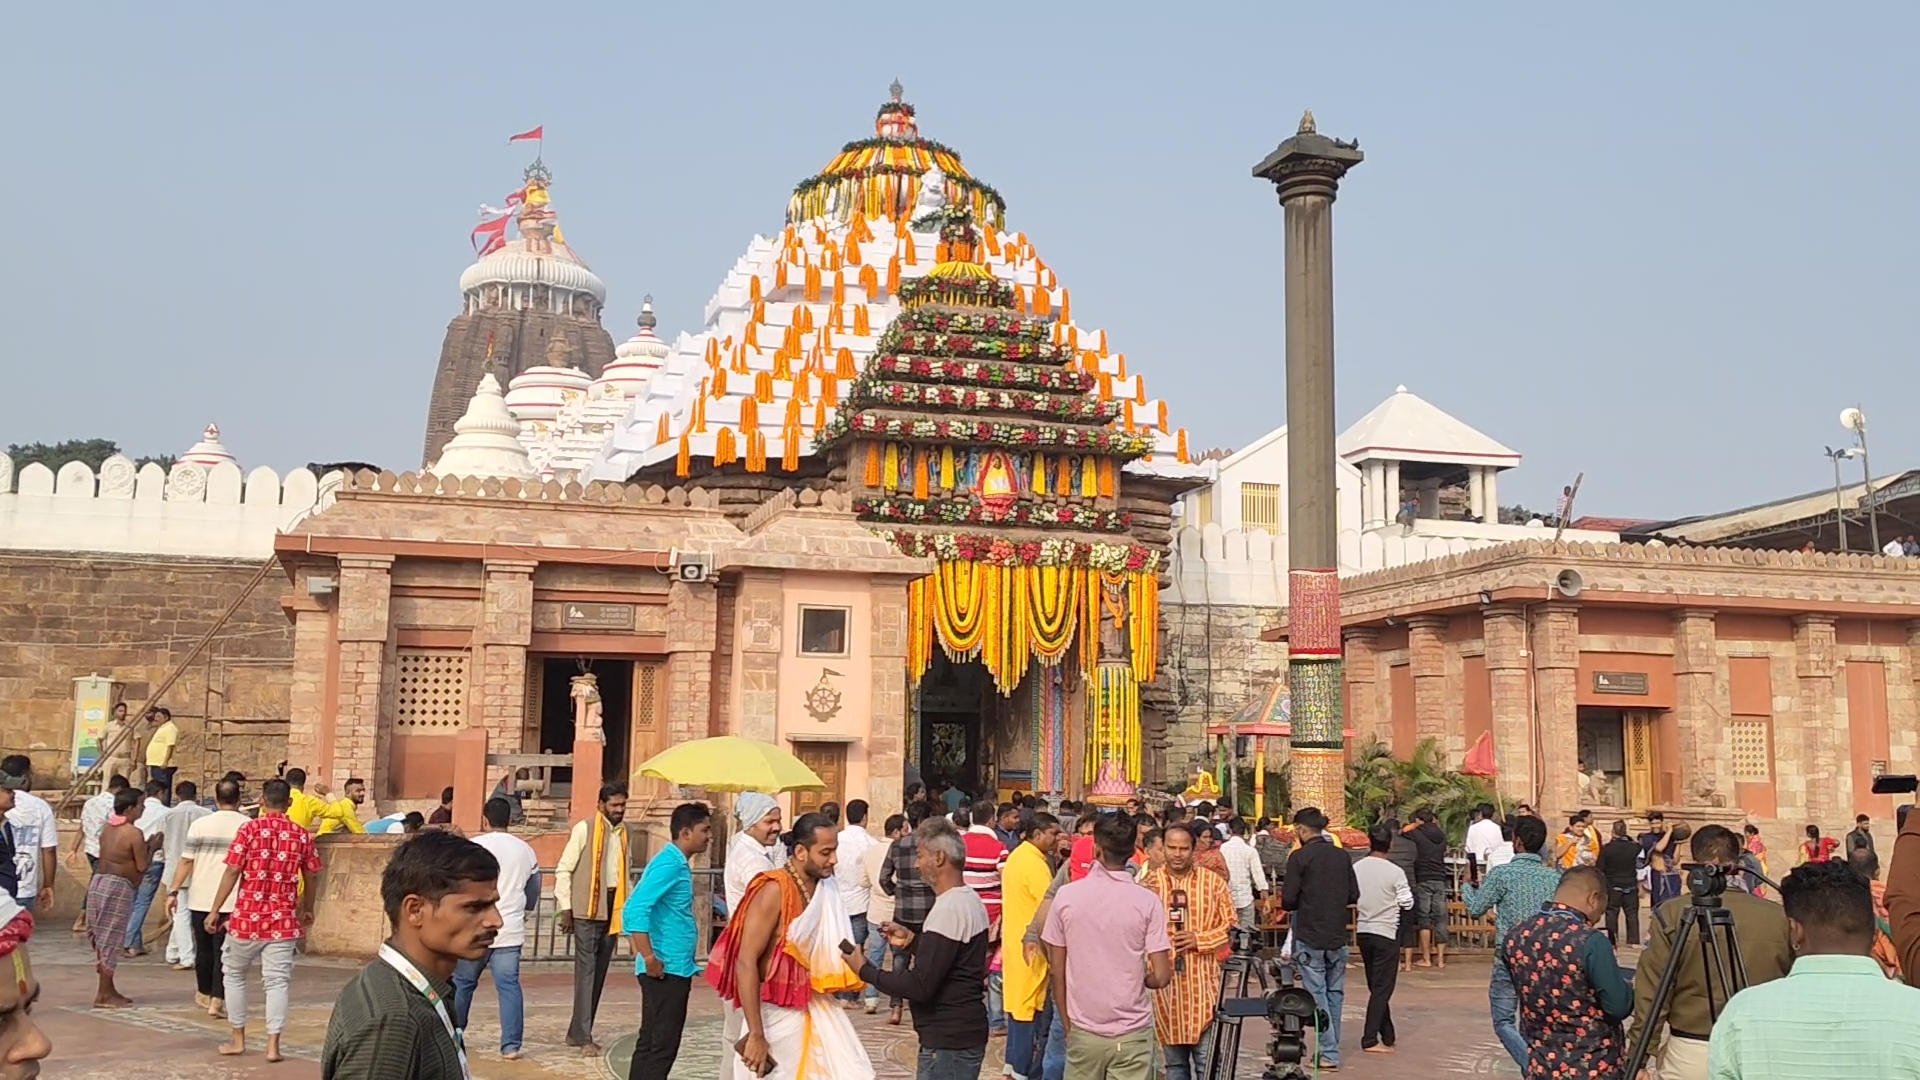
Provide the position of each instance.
(1243, 977)
(1707, 917)
(1253, 986)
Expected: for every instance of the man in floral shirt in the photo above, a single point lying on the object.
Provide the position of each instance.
(271, 862)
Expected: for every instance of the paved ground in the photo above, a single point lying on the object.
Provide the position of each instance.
(1441, 1017)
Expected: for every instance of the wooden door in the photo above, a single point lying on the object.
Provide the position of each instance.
(1642, 745)
(829, 762)
(647, 728)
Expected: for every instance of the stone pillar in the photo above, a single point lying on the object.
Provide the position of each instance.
(1489, 494)
(1699, 712)
(692, 636)
(506, 628)
(757, 638)
(1430, 499)
(1476, 494)
(1306, 171)
(1556, 665)
(1374, 477)
(1427, 663)
(1362, 671)
(470, 776)
(886, 741)
(309, 705)
(1505, 636)
(363, 727)
(1823, 735)
(1392, 492)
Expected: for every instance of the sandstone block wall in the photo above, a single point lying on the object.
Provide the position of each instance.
(65, 616)
(1213, 661)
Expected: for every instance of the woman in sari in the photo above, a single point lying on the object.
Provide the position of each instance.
(1817, 848)
(1756, 848)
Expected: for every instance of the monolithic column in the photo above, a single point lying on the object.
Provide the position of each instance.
(1556, 665)
(1511, 700)
(1306, 171)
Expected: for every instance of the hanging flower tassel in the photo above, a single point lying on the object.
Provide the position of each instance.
(992, 237)
(946, 468)
(869, 282)
(862, 325)
(723, 448)
(713, 352)
(893, 276)
(756, 451)
(829, 390)
(1180, 448)
(1106, 387)
(751, 339)
(1042, 301)
(819, 416)
(921, 481)
(1089, 478)
(790, 448)
(780, 273)
(839, 287)
(890, 475)
(700, 411)
(1139, 390)
(811, 290)
(1063, 476)
(1106, 478)
(720, 383)
(843, 364)
(1162, 425)
(1126, 417)
(683, 461)
(1066, 306)
(762, 387)
(1039, 474)
(872, 477)
(660, 432)
(908, 251)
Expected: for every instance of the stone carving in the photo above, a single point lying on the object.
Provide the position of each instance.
(557, 351)
(588, 725)
(187, 482)
(117, 477)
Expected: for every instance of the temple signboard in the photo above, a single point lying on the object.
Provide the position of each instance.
(1628, 683)
(581, 616)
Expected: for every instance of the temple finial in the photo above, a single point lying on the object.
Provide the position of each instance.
(1306, 123)
(896, 91)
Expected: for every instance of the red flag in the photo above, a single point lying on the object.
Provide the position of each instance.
(490, 236)
(1479, 761)
(536, 135)
(516, 198)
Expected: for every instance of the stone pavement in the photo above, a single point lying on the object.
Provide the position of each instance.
(1441, 1017)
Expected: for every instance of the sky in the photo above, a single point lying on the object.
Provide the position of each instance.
(1660, 247)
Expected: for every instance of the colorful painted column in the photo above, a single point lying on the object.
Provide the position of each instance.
(1306, 171)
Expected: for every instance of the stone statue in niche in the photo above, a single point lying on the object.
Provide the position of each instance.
(588, 724)
(1113, 620)
(998, 488)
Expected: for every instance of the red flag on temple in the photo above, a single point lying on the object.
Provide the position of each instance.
(490, 236)
(536, 135)
(1479, 760)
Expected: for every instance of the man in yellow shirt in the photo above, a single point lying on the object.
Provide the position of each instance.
(160, 746)
(344, 812)
(305, 809)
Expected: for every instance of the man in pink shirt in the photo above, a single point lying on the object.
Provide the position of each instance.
(1114, 934)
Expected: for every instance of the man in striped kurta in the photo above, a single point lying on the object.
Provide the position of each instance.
(1199, 911)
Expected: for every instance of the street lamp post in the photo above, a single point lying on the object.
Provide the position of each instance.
(1839, 500)
(1856, 421)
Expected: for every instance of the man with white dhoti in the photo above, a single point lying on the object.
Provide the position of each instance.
(751, 852)
(779, 963)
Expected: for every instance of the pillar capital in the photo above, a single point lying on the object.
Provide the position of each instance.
(366, 562)
(1309, 164)
(1368, 636)
(510, 566)
(1436, 623)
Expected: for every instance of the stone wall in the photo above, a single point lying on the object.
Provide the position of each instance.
(65, 616)
(1212, 661)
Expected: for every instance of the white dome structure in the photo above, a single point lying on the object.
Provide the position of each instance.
(637, 358)
(537, 395)
(536, 270)
(486, 441)
(208, 452)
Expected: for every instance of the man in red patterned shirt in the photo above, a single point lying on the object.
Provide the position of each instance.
(271, 862)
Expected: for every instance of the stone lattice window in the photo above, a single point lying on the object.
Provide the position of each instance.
(1751, 762)
(1260, 507)
(432, 690)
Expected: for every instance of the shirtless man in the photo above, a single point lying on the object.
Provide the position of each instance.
(772, 986)
(124, 857)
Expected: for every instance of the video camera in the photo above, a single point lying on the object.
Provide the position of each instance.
(1708, 880)
(1288, 1008)
(1897, 785)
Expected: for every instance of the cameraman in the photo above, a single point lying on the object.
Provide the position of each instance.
(1761, 927)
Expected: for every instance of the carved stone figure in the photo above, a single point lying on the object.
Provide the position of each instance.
(587, 721)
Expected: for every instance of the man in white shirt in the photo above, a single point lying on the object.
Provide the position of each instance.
(1482, 837)
(1893, 548)
(1244, 872)
(850, 873)
(519, 885)
(174, 827)
(36, 835)
(1385, 898)
(201, 865)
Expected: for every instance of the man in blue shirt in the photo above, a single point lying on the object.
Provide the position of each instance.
(659, 918)
(1514, 891)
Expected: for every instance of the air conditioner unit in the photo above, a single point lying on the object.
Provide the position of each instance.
(692, 567)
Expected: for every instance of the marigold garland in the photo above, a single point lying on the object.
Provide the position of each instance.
(1008, 617)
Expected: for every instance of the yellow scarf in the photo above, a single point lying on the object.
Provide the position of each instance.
(597, 889)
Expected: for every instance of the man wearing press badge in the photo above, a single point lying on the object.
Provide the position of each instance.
(394, 1021)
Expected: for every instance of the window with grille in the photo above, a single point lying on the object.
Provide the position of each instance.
(430, 690)
(1751, 762)
(1260, 507)
(646, 695)
(1202, 508)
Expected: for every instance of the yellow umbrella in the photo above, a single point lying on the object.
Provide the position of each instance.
(731, 763)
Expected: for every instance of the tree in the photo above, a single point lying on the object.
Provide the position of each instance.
(1520, 515)
(1380, 786)
(94, 452)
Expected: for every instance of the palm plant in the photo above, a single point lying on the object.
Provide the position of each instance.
(1380, 785)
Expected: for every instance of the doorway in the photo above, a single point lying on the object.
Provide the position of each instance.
(954, 698)
(828, 760)
(1619, 758)
(615, 680)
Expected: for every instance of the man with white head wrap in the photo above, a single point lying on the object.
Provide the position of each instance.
(756, 819)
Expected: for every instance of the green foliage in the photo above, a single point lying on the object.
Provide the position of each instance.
(94, 452)
(1380, 785)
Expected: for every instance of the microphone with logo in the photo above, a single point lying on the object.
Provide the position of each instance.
(1177, 915)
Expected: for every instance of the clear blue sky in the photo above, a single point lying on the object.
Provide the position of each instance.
(1664, 249)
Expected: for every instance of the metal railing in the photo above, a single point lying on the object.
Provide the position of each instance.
(546, 944)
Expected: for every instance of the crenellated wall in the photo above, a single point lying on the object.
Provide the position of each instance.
(192, 510)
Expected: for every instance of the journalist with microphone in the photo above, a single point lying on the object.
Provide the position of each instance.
(1760, 930)
(1199, 910)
